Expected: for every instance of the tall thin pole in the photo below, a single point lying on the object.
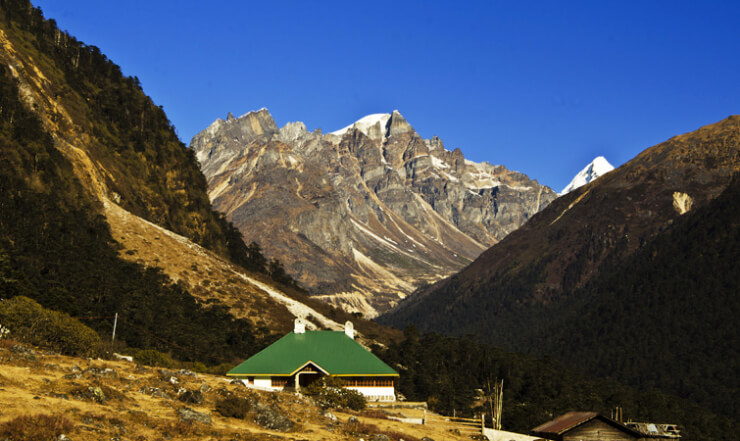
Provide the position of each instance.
(115, 322)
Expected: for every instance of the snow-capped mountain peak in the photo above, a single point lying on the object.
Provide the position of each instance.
(365, 123)
(598, 167)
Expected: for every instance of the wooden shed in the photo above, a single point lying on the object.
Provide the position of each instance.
(585, 426)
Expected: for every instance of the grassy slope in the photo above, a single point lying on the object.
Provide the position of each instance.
(33, 382)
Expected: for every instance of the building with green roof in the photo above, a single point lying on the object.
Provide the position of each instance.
(302, 357)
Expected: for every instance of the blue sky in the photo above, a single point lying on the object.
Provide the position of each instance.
(541, 87)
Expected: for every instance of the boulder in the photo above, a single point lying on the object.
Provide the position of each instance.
(92, 393)
(123, 357)
(192, 397)
(27, 353)
(101, 372)
(271, 418)
(330, 416)
(189, 415)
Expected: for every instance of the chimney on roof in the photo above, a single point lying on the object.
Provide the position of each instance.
(299, 327)
(349, 329)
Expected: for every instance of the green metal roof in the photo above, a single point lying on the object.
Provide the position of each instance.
(332, 351)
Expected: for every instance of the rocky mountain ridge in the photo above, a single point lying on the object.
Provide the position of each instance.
(363, 215)
(565, 244)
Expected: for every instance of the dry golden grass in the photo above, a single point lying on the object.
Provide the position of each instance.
(39, 427)
(140, 403)
(206, 275)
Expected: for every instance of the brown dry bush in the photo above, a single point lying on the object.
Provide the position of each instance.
(6, 343)
(180, 429)
(233, 407)
(141, 418)
(35, 428)
(374, 413)
(357, 428)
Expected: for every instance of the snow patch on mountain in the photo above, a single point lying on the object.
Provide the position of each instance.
(438, 163)
(598, 167)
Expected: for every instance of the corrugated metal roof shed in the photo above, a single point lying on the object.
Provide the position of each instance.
(571, 420)
(565, 422)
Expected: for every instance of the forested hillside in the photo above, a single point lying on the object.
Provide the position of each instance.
(91, 105)
(445, 371)
(666, 317)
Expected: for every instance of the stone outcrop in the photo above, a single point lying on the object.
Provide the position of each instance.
(364, 215)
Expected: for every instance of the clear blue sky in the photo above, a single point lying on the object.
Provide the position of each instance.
(541, 87)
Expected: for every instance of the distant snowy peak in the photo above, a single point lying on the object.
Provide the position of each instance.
(598, 167)
(366, 123)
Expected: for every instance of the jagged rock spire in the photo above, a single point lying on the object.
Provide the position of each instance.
(398, 124)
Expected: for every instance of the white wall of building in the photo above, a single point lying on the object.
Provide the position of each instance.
(264, 383)
(376, 393)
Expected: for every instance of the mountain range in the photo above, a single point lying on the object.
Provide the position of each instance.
(631, 277)
(363, 215)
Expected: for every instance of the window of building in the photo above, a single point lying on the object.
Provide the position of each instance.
(279, 381)
(368, 382)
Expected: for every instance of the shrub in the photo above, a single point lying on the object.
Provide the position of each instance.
(32, 323)
(152, 357)
(233, 407)
(356, 428)
(353, 400)
(375, 413)
(35, 428)
(329, 392)
(182, 429)
(219, 369)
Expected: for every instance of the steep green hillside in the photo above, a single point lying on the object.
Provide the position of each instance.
(55, 247)
(93, 106)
